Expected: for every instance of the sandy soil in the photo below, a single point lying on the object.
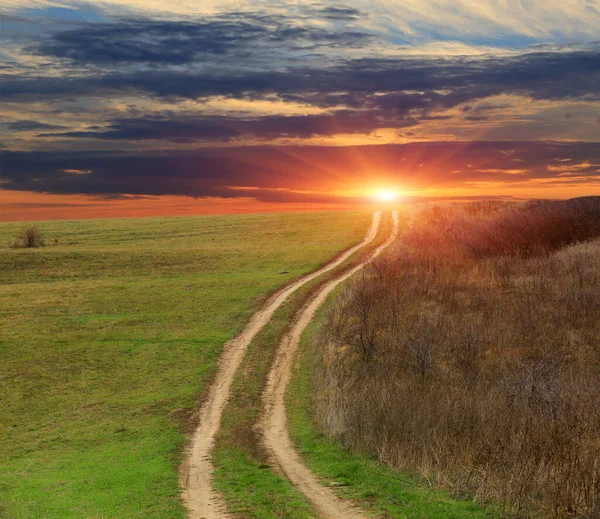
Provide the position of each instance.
(274, 422)
(201, 500)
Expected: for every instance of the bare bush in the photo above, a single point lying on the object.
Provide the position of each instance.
(28, 237)
(480, 371)
(505, 229)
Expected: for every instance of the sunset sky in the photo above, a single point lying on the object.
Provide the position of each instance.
(129, 108)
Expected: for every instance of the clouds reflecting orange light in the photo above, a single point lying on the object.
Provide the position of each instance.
(23, 205)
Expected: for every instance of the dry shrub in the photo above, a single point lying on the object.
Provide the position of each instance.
(480, 371)
(487, 229)
(28, 237)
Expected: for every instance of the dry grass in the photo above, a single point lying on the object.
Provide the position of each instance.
(471, 354)
(28, 238)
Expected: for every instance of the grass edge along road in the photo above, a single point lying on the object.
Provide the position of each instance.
(108, 338)
(373, 486)
(243, 473)
(273, 423)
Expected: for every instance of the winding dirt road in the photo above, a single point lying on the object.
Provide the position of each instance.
(201, 500)
(274, 422)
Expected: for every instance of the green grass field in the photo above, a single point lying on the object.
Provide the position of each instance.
(110, 335)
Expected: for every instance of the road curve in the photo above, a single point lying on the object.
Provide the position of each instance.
(196, 471)
(274, 420)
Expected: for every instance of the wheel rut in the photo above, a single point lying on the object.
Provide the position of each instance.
(274, 420)
(200, 498)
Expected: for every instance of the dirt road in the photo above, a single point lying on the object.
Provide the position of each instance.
(201, 500)
(274, 422)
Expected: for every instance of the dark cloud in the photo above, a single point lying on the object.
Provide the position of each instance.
(184, 42)
(154, 129)
(361, 95)
(28, 126)
(212, 172)
(220, 128)
(400, 84)
(543, 75)
(340, 13)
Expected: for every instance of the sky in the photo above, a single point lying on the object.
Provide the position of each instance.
(133, 108)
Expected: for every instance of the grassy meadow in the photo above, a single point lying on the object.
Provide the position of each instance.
(469, 355)
(110, 333)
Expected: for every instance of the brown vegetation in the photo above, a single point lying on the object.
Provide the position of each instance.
(28, 237)
(471, 354)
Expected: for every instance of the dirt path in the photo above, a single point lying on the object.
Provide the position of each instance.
(274, 422)
(200, 499)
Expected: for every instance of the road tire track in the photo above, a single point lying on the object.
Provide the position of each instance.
(196, 471)
(274, 421)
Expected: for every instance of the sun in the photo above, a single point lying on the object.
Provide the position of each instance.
(386, 195)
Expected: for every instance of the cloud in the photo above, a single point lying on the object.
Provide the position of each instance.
(183, 42)
(130, 80)
(504, 171)
(507, 24)
(570, 169)
(29, 126)
(356, 82)
(154, 129)
(218, 128)
(78, 171)
(340, 13)
(358, 95)
(278, 171)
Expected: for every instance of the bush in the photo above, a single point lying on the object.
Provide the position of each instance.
(28, 237)
(471, 354)
(535, 228)
(483, 230)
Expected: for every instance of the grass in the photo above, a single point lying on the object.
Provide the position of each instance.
(359, 477)
(111, 332)
(470, 353)
(243, 474)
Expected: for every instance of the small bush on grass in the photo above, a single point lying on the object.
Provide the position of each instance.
(28, 237)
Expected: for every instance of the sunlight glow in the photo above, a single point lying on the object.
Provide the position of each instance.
(386, 195)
